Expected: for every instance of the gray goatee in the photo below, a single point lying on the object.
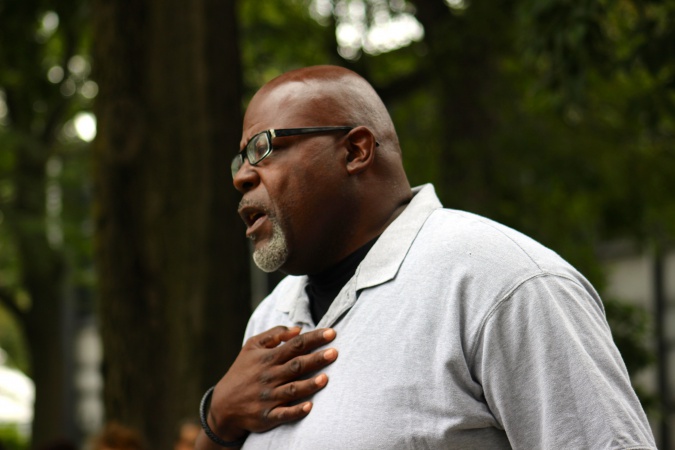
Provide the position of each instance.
(271, 256)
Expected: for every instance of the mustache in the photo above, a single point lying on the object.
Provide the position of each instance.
(248, 203)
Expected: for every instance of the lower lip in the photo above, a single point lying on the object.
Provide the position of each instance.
(255, 226)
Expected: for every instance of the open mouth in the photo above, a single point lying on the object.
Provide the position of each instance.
(252, 215)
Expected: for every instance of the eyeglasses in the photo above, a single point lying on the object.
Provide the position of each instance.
(260, 145)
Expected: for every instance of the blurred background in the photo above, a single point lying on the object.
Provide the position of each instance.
(125, 282)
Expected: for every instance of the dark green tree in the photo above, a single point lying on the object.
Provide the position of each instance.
(170, 249)
(41, 80)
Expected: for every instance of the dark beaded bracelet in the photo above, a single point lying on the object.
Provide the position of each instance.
(203, 406)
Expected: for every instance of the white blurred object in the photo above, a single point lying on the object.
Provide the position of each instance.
(88, 379)
(17, 394)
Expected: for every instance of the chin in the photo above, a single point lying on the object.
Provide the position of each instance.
(271, 255)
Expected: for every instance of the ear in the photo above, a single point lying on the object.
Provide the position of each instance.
(361, 150)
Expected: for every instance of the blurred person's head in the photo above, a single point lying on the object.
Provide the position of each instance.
(187, 435)
(116, 436)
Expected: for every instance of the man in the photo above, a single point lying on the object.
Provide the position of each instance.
(452, 331)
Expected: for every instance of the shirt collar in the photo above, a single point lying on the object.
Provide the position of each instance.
(380, 265)
(385, 258)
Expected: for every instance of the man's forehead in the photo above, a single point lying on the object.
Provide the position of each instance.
(292, 104)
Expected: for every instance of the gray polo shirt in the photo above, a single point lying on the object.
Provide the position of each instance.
(459, 332)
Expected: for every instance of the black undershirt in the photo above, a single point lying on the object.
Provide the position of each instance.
(323, 287)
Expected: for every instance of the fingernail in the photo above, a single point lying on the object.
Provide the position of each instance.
(321, 380)
(329, 334)
(307, 407)
(330, 354)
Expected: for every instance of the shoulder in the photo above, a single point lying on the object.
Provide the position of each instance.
(477, 264)
(461, 238)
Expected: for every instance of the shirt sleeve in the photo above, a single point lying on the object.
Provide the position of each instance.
(551, 373)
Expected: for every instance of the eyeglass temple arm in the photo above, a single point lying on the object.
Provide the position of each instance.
(307, 130)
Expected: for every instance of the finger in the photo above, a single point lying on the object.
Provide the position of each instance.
(301, 365)
(274, 336)
(305, 343)
(285, 414)
(290, 334)
(297, 390)
(294, 369)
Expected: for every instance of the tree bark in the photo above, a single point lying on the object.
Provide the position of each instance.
(171, 255)
(42, 277)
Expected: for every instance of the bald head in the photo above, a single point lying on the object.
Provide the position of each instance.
(333, 94)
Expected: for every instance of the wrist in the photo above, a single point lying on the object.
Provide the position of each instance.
(217, 434)
(222, 426)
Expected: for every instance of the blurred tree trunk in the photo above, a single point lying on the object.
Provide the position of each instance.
(42, 279)
(42, 269)
(171, 256)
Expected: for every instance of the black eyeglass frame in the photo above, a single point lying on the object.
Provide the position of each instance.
(238, 160)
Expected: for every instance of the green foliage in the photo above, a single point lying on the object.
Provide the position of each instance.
(274, 39)
(11, 438)
(564, 40)
(12, 341)
(632, 331)
(625, 94)
(421, 163)
(44, 83)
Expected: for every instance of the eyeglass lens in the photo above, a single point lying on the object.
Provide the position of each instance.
(256, 150)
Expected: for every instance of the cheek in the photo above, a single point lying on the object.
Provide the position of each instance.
(301, 197)
(295, 214)
(292, 214)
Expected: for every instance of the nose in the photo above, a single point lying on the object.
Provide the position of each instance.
(246, 178)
